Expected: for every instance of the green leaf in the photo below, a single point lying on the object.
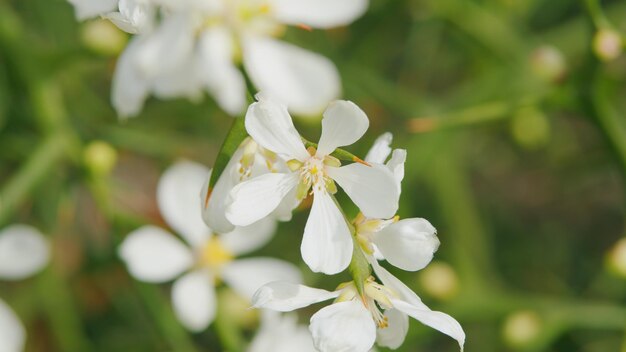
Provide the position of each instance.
(235, 136)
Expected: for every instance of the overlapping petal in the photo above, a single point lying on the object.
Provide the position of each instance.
(343, 124)
(380, 150)
(193, 298)
(303, 80)
(393, 335)
(372, 188)
(91, 8)
(246, 276)
(130, 88)
(343, 326)
(269, 124)
(327, 244)
(408, 244)
(245, 239)
(281, 333)
(257, 198)
(318, 13)
(23, 252)
(154, 255)
(285, 296)
(177, 196)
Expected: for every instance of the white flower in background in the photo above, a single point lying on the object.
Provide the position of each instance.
(281, 333)
(154, 255)
(327, 243)
(197, 46)
(250, 160)
(23, 252)
(355, 323)
(408, 244)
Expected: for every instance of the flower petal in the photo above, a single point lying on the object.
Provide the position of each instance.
(129, 88)
(91, 8)
(219, 73)
(436, 320)
(396, 166)
(393, 335)
(178, 194)
(258, 197)
(246, 276)
(281, 333)
(343, 326)
(403, 291)
(327, 244)
(343, 124)
(193, 298)
(286, 296)
(270, 125)
(12, 332)
(245, 239)
(23, 252)
(408, 244)
(380, 150)
(154, 255)
(303, 80)
(372, 188)
(318, 13)
(133, 16)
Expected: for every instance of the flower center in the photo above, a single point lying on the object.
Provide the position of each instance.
(375, 297)
(252, 16)
(313, 174)
(214, 255)
(366, 228)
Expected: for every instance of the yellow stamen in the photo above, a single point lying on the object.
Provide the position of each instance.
(214, 255)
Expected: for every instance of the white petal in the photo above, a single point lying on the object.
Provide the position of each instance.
(269, 124)
(129, 88)
(396, 166)
(92, 8)
(345, 326)
(12, 332)
(380, 150)
(343, 124)
(318, 13)
(408, 244)
(178, 194)
(134, 16)
(219, 73)
(193, 297)
(327, 244)
(403, 291)
(372, 188)
(436, 320)
(214, 205)
(168, 47)
(393, 335)
(23, 252)
(281, 333)
(245, 239)
(286, 296)
(304, 80)
(181, 81)
(257, 198)
(246, 276)
(154, 255)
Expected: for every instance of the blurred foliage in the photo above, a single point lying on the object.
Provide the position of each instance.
(517, 154)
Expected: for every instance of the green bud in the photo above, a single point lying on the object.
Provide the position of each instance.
(331, 187)
(100, 158)
(294, 164)
(103, 37)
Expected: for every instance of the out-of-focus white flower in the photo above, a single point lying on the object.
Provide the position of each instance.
(327, 243)
(250, 160)
(354, 322)
(197, 46)
(23, 252)
(154, 255)
(281, 333)
(408, 244)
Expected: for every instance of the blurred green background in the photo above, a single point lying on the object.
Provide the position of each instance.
(512, 113)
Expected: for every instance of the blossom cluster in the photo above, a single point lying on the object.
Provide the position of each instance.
(181, 48)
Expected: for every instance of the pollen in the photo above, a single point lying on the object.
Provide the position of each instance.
(214, 255)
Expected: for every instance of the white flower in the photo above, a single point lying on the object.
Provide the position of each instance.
(281, 333)
(197, 45)
(154, 255)
(23, 252)
(355, 323)
(250, 160)
(327, 244)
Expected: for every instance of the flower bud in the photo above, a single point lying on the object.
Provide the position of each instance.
(439, 280)
(530, 128)
(521, 328)
(548, 63)
(607, 44)
(103, 37)
(100, 158)
(616, 258)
